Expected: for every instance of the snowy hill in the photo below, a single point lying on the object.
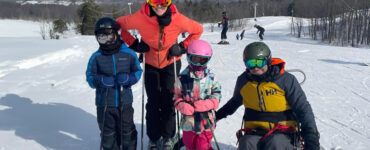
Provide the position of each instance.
(45, 102)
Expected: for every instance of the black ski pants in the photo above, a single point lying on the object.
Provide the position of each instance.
(223, 33)
(261, 35)
(115, 132)
(279, 141)
(160, 111)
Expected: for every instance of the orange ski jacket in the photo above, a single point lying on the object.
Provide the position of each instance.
(159, 39)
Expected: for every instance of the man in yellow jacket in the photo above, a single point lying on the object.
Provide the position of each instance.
(275, 104)
(159, 24)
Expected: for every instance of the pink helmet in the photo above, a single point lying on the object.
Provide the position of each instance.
(202, 50)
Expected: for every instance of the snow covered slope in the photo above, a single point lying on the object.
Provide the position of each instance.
(45, 101)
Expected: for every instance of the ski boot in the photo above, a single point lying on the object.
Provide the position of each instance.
(167, 144)
(154, 145)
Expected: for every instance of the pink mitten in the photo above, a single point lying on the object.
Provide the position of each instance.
(205, 105)
(185, 108)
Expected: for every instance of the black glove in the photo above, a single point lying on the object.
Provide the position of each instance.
(311, 140)
(176, 50)
(140, 47)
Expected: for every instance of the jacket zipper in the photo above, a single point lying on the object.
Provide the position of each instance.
(260, 100)
(161, 32)
(262, 104)
(114, 73)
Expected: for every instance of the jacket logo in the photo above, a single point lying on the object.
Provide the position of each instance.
(122, 59)
(271, 92)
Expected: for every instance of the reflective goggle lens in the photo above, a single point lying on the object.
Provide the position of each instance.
(105, 31)
(252, 63)
(199, 60)
(155, 3)
(106, 38)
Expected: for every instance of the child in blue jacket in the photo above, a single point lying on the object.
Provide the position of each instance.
(112, 70)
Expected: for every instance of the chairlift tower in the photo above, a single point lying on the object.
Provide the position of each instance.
(255, 11)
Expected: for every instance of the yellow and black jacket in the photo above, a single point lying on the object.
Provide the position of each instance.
(274, 97)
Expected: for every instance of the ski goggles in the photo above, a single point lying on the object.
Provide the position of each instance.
(105, 31)
(252, 63)
(155, 3)
(103, 38)
(198, 60)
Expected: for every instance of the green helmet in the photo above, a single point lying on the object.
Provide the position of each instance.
(256, 50)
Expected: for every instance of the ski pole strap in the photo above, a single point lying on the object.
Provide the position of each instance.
(278, 127)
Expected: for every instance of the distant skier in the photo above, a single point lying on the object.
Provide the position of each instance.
(261, 31)
(237, 36)
(242, 35)
(197, 95)
(277, 112)
(112, 70)
(225, 27)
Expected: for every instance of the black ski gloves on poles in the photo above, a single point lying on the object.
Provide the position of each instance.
(140, 47)
(176, 50)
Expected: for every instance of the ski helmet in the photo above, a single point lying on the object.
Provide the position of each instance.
(106, 23)
(106, 33)
(198, 55)
(257, 50)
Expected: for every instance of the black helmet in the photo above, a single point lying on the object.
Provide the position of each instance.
(106, 23)
(224, 12)
(106, 33)
(256, 50)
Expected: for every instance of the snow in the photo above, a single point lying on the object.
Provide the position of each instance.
(45, 102)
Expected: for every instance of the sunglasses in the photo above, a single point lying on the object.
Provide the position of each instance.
(155, 3)
(252, 63)
(198, 60)
(103, 38)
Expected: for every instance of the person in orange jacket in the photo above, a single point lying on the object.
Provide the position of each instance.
(159, 24)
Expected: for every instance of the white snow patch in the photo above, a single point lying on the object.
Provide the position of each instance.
(70, 135)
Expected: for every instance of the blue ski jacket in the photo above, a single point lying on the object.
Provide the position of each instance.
(124, 61)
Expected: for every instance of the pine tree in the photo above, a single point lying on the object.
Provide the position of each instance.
(89, 12)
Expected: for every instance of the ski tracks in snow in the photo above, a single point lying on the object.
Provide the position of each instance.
(61, 56)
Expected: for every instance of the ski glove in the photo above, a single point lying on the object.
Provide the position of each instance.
(176, 50)
(104, 81)
(185, 108)
(140, 47)
(125, 79)
(205, 105)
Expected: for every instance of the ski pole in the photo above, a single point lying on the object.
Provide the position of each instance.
(120, 116)
(177, 137)
(142, 104)
(177, 112)
(213, 134)
(105, 109)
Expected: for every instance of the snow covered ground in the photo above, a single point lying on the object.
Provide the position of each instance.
(45, 102)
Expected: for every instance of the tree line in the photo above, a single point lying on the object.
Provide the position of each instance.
(339, 22)
(342, 22)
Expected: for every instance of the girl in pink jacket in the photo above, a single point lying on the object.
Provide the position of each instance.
(197, 95)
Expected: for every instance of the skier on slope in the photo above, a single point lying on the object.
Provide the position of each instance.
(261, 31)
(197, 95)
(276, 107)
(160, 24)
(242, 35)
(225, 27)
(112, 70)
